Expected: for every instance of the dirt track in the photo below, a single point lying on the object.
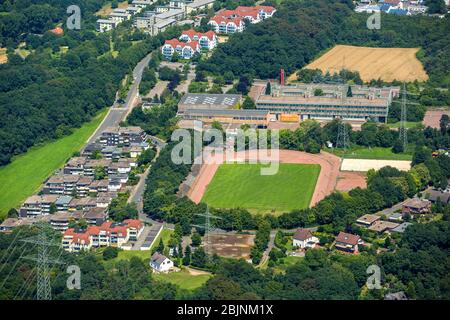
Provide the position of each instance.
(326, 182)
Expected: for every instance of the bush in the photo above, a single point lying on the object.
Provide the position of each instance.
(110, 253)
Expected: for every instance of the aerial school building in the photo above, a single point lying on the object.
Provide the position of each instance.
(326, 101)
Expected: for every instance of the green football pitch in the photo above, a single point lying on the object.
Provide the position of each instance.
(242, 185)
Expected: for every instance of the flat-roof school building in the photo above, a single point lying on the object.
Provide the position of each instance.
(234, 116)
(207, 101)
(328, 101)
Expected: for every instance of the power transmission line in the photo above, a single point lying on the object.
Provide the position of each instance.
(207, 227)
(43, 262)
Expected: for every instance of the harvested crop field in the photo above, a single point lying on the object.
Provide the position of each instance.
(388, 64)
(3, 56)
(364, 165)
(230, 245)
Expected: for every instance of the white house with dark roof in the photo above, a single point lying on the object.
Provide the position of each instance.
(303, 238)
(160, 263)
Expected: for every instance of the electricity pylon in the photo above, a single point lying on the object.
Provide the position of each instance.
(206, 226)
(403, 130)
(43, 260)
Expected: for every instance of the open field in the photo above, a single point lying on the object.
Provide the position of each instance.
(432, 117)
(367, 164)
(25, 174)
(349, 180)
(106, 9)
(388, 64)
(184, 279)
(376, 153)
(242, 185)
(230, 245)
(3, 56)
(408, 124)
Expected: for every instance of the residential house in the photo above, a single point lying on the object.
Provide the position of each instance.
(122, 136)
(63, 184)
(105, 235)
(416, 206)
(142, 3)
(382, 226)
(104, 25)
(433, 195)
(119, 16)
(92, 165)
(160, 263)
(133, 10)
(367, 220)
(186, 50)
(75, 166)
(401, 227)
(114, 183)
(82, 203)
(63, 203)
(347, 242)
(207, 40)
(38, 205)
(303, 238)
(83, 186)
(97, 186)
(198, 5)
(226, 25)
(60, 220)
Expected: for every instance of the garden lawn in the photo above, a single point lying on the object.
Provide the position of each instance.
(25, 174)
(183, 279)
(242, 185)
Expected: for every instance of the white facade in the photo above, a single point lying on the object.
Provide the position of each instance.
(307, 243)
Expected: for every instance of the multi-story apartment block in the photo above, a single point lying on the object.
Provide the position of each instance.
(37, 205)
(186, 50)
(231, 21)
(226, 25)
(105, 235)
(122, 136)
(119, 16)
(207, 40)
(105, 25)
(75, 165)
(142, 3)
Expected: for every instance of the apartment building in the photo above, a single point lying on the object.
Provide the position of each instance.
(122, 136)
(231, 21)
(37, 205)
(186, 50)
(105, 25)
(107, 234)
(207, 40)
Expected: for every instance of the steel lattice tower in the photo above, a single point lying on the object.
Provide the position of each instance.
(403, 130)
(206, 226)
(43, 260)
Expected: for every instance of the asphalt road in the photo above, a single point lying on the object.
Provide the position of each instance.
(118, 113)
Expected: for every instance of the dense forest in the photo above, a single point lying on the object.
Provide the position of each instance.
(63, 82)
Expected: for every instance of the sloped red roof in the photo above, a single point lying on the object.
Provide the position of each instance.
(191, 33)
(347, 238)
(175, 42)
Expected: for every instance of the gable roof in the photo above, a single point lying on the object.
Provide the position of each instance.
(347, 238)
(175, 42)
(302, 234)
(158, 258)
(191, 33)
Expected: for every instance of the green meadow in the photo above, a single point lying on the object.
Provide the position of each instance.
(25, 174)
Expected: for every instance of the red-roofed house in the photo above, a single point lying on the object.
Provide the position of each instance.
(348, 242)
(185, 50)
(108, 234)
(303, 238)
(222, 24)
(224, 20)
(207, 40)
